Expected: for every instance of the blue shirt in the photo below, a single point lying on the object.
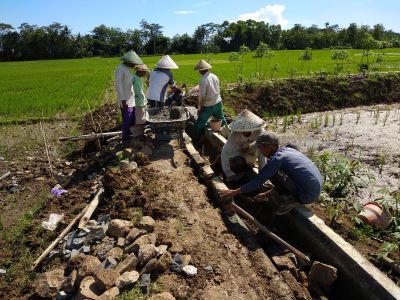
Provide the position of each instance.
(298, 167)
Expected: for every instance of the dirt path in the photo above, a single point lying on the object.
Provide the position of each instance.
(194, 227)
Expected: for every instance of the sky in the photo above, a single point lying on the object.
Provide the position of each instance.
(178, 17)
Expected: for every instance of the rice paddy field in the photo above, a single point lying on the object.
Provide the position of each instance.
(59, 88)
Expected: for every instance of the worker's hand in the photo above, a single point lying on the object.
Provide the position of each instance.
(261, 197)
(229, 193)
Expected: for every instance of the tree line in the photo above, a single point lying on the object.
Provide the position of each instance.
(55, 41)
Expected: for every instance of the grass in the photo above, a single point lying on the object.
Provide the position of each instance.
(63, 87)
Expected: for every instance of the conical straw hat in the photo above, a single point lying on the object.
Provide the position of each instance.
(246, 121)
(202, 65)
(141, 68)
(166, 62)
(132, 57)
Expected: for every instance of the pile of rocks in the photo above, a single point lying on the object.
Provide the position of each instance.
(106, 257)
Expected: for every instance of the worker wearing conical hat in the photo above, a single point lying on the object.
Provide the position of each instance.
(159, 80)
(239, 152)
(210, 101)
(125, 93)
(140, 99)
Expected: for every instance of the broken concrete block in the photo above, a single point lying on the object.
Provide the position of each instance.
(106, 278)
(70, 283)
(146, 252)
(140, 242)
(144, 285)
(134, 234)
(88, 289)
(126, 165)
(322, 276)
(119, 228)
(111, 294)
(86, 265)
(147, 223)
(285, 263)
(121, 242)
(164, 262)
(127, 279)
(116, 253)
(101, 250)
(150, 266)
(109, 263)
(162, 296)
(128, 264)
(49, 283)
(96, 233)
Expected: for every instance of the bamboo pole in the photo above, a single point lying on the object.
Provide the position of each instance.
(272, 235)
(5, 175)
(57, 240)
(90, 209)
(90, 136)
(46, 146)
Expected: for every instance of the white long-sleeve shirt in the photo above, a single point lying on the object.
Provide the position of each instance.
(239, 145)
(209, 91)
(123, 83)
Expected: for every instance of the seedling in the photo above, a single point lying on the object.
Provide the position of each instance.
(358, 117)
(333, 120)
(298, 116)
(386, 117)
(381, 161)
(341, 118)
(326, 120)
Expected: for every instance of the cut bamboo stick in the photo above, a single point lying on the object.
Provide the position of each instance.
(46, 146)
(5, 175)
(91, 136)
(58, 239)
(390, 263)
(90, 209)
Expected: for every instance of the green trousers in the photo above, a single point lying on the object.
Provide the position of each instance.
(206, 112)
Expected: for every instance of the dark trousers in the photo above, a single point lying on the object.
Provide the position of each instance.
(128, 120)
(154, 103)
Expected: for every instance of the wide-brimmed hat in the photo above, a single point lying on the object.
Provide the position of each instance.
(132, 58)
(142, 68)
(246, 121)
(202, 65)
(166, 62)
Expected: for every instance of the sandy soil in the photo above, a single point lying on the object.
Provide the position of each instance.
(369, 134)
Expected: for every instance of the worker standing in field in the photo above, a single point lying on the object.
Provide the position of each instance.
(140, 98)
(239, 153)
(210, 101)
(159, 80)
(294, 176)
(125, 93)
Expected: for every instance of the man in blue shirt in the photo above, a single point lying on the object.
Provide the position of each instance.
(295, 177)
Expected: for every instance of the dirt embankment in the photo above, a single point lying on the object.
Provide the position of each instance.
(305, 95)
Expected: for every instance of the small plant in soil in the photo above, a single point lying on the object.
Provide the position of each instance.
(386, 117)
(326, 120)
(298, 114)
(333, 120)
(381, 161)
(358, 116)
(341, 119)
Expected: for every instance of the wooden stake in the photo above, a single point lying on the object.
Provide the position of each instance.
(46, 146)
(5, 175)
(57, 240)
(90, 209)
(91, 136)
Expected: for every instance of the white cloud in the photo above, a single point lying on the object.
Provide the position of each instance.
(269, 14)
(184, 12)
(199, 4)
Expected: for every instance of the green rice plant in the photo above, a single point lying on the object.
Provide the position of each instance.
(333, 120)
(341, 119)
(285, 123)
(381, 161)
(326, 120)
(358, 117)
(298, 114)
(386, 117)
